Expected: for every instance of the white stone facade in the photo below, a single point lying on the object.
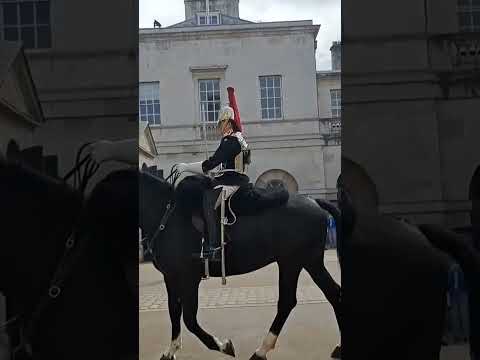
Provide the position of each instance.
(77, 78)
(296, 146)
(409, 91)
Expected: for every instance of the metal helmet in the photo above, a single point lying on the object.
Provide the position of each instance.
(225, 113)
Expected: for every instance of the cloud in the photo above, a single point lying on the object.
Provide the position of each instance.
(326, 13)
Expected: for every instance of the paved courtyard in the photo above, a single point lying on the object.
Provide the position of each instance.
(243, 311)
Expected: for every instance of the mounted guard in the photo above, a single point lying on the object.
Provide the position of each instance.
(231, 157)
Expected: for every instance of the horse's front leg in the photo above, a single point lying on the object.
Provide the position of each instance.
(287, 300)
(190, 308)
(175, 311)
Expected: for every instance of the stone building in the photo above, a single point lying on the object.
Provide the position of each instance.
(146, 144)
(185, 70)
(410, 89)
(76, 74)
(20, 110)
(20, 115)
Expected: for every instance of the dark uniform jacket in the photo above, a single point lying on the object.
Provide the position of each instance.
(225, 154)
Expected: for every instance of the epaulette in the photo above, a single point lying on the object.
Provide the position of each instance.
(241, 140)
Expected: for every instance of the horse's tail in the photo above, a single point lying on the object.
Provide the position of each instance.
(337, 216)
(456, 246)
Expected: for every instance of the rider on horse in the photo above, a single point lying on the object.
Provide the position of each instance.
(229, 155)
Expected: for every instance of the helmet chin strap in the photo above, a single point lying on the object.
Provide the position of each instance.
(227, 132)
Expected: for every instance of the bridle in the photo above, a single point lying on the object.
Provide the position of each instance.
(72, 251)
(169, 209)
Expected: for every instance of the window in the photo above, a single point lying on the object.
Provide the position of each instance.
(271, 97)
(149, 107)
(209, 99)
(28, 21)
(469, 15)
(336, 102)
(214, 19)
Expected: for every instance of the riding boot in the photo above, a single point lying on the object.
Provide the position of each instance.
(212, 222)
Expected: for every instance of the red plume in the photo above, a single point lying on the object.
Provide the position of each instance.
(233, 105)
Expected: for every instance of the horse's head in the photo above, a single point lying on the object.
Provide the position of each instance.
(155, 193)
(37, 212)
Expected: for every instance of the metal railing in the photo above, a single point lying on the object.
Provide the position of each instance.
(331, 128)
(462, 50)
(208, 131)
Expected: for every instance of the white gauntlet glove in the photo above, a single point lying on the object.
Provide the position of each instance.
(195, 168)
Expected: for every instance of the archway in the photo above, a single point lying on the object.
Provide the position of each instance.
(277, 178)
(474, 190)
(360, 186)
(474, 194)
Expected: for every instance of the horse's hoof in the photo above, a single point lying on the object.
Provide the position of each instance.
(167, 357)
(229, 348)
(336, 353)
(256, 357)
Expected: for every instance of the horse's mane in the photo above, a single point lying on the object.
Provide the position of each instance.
(156, 181)
(16, 175)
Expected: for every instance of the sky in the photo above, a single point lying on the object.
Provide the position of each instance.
(323, 12)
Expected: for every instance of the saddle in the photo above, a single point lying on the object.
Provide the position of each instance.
(244, 201)
(250, 200)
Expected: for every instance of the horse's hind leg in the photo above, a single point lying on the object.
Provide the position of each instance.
(175, 311)
(287, 300)
(190, 309)
(330, 288)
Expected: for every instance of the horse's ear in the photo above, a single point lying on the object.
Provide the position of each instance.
(33, 156)
(13, 150)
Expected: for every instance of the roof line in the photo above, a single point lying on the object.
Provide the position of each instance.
(271, 24)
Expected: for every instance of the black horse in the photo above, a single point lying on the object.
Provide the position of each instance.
(292, 235)
(52, 236)
(399, 313)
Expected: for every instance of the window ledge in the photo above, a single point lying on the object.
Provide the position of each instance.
(208, 68)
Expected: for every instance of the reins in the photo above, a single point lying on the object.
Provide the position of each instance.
(80, 180)
(66, 263)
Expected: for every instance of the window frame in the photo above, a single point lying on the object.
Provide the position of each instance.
(468, 9)
(336, 109)
(154, 102)
(338, 106)
(274, 108)
(212, 15)
(35, 25)
(214, 101)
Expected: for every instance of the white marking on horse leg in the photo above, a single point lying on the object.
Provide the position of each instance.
(268, 344)
(221, 346)
(175, 345)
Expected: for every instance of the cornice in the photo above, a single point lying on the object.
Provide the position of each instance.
(228, 31)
